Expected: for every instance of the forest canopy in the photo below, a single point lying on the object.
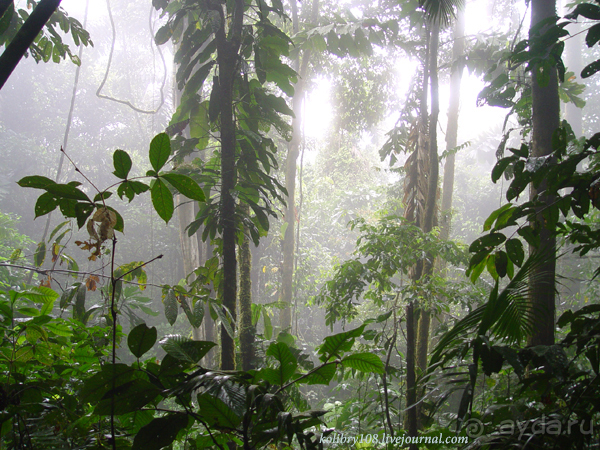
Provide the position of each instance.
(264, 223)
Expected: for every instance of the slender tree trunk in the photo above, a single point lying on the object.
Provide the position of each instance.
(227, 59)
(451, 138)
(190, 251)
(431, 200)
(246, 329)
(285, 316)
(209, 324)
(416, 214)
(545, 121)
(458, 50)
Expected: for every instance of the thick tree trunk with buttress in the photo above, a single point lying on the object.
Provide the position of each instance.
(545, 116)
(285, 316)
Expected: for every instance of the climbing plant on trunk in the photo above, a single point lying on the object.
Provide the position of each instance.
(241, 48)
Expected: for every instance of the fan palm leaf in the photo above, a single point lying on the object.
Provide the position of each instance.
(507, 315)
(441, 11)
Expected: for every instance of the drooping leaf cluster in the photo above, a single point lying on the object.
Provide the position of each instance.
(49, 44)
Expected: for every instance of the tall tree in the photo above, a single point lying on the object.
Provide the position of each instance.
(545, 117)
(228, 45)
(239, 111)
(458, 48)
(301, 65)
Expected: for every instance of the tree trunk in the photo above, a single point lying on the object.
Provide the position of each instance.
(285, 316)
(431, 201)
(25, 37)
(227, 59)
(545, 116)
(190, 251)
(246, 329)
(451, 138)
(209, 324)
(458, 49)
(416, 214)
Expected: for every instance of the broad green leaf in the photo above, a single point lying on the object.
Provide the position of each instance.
(82, 212)
(323, 375)
(45, 204)
(287, 363)
(160, 433)
(185, 185)
(486, 242)
(24, 354)
(163, 34)
(35, 332)
(256, 310)
(268, 325)
(79, 305)
(287, 338)
(171, 306)
(39, 294)
(199, 124)
(102, 196)
(186, 349)
(162, 200)
(364, 362)
(141, 339)
(334, 346)
(501, 263)
(122, 163)
(60, 329)
(494, 215)
(40, 254)
(198, 313)
(224, 320)
(516, 253)
(478, 269)
(29, 312)
(491, 265)
(48, 305)
(160, 151)
(215, 412)
(131, 188)
(99, 384)
(590, 69)
(592, 36)
(586, 10)
(36, 182)
(127, 397)
(67, 191)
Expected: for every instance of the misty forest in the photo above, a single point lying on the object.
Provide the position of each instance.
(299, 224)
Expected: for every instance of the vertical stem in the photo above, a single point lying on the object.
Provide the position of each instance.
(113, 314)
(545, 118)
(245, 326)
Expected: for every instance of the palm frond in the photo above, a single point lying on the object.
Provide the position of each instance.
(441, 11)
(507, 314)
